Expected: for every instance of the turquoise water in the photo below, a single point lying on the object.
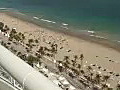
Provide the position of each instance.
(98, 15)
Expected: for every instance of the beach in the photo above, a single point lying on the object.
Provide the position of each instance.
(68, 45)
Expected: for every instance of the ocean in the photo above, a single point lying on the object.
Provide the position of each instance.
(90, 16)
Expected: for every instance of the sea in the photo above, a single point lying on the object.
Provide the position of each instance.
(96, 18)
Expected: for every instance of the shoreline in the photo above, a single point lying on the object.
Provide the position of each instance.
(101, 41)
(104, 42)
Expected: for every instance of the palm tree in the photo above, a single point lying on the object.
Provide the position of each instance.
(82, 72)
(19, 53)
(54, 49)
(23, 57)
(19, 33)
(1, 25)
(56, 46)
(17, 38)
(89, 68)
(13, 31)
(106, 78)
(91, 76)
(23, 36)
(30, 41)
(118, 86)
(79, 67)
(31, 59)
(41, 51)
(4, 44)
(6, 28)
(71, 75)
(46, 49)
(75, 71)
(60, 68)
(104, 87)
(65, 66)
(74, 61)
(81, 58)
(40, 63)
(66, 59)
(36, 41)
(75, 57)
(98, 78)
(38, 55)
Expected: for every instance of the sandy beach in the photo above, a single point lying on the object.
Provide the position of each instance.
(94, 53)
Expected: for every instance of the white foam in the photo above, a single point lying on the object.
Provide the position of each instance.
(65, 24)
(100, 37)
(118, 41)
(3, 8)
(53, 22)
(91, 31)
(35, 17)
(45, 20)
(92, 35)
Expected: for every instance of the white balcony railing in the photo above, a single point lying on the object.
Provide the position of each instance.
(28, 78)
